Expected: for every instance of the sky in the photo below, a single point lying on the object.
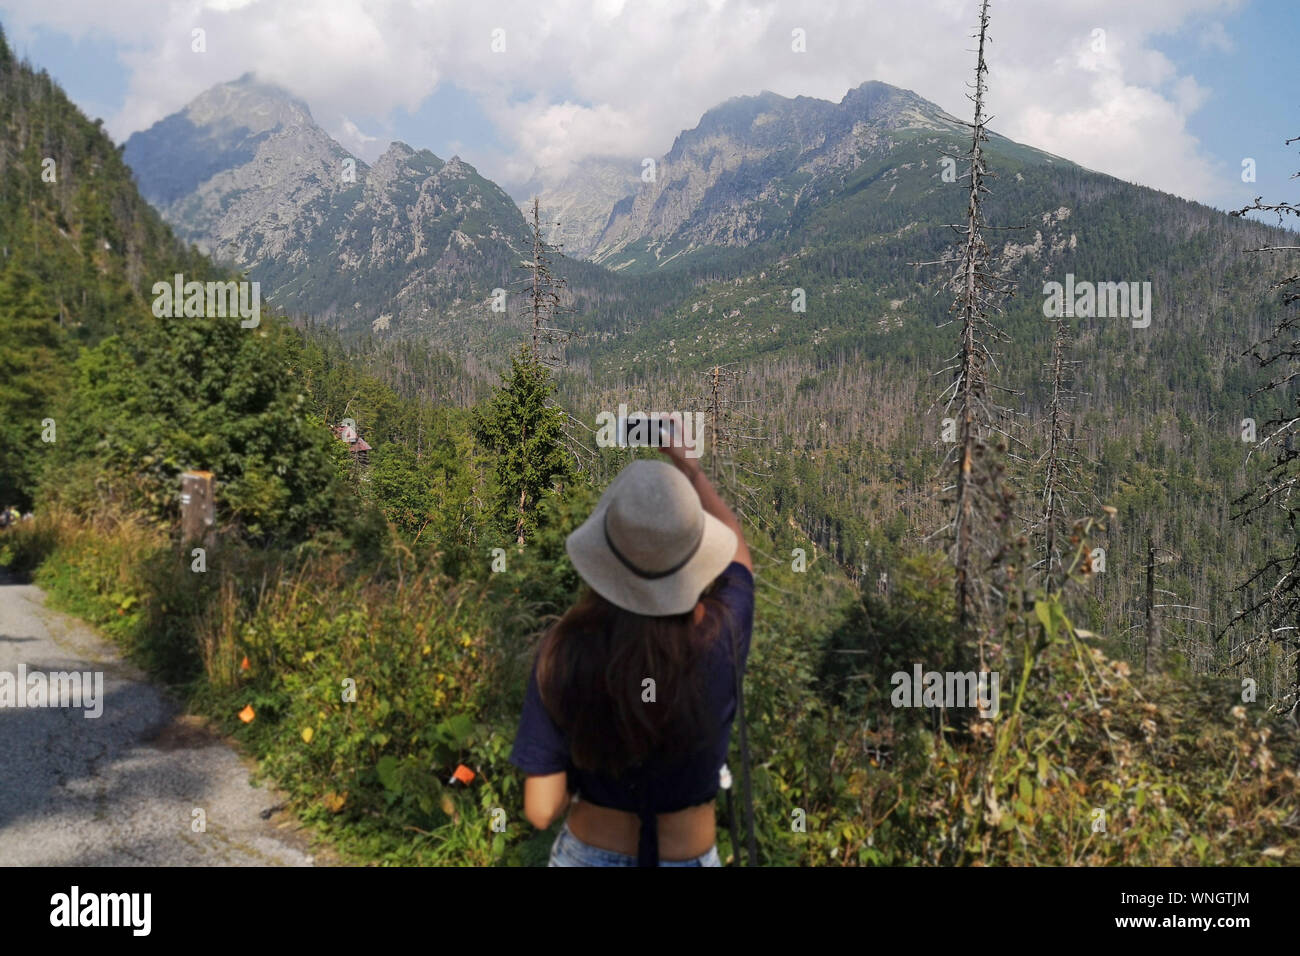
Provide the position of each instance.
(1172, 94)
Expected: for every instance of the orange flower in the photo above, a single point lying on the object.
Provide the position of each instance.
(244, 665)
(247, 715)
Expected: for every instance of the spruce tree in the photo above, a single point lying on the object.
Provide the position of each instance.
(527, 435)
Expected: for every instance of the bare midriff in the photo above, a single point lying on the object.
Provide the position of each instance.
(683, 835)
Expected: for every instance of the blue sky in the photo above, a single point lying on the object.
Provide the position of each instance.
(1253, 102)
(1183, 91)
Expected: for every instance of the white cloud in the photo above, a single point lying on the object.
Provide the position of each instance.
(225, 6)
(352, 133)
(610, 77)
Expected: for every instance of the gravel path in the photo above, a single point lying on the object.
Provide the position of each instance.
(120, 789)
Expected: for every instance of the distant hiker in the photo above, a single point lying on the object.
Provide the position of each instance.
(629, 708)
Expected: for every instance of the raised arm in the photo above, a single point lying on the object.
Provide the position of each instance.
(711, 500)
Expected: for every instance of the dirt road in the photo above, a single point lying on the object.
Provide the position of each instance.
(120, 789)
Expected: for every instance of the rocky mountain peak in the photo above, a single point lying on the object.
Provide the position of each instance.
(394, 163)
(244, 172)
(397, 151)
(250, 104)
(749, 170)
(881, 105)
(457, 168)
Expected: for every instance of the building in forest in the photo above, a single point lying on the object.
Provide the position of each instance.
(357, 447)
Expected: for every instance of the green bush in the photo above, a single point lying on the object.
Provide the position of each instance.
(1183, 772)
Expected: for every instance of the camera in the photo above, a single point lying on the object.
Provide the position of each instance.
(644, 431)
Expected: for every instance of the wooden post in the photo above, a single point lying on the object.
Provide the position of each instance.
(198, 507)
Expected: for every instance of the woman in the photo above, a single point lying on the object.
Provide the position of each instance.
(628, 712)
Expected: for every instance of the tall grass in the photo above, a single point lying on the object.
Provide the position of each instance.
(367, 689)
(368, 682)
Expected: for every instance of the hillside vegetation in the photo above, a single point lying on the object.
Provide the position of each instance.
(364, 629)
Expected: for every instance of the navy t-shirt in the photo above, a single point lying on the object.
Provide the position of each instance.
(540, 748)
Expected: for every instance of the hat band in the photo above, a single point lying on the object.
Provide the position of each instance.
(650, 575)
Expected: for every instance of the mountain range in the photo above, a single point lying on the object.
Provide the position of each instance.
(755, 167)
(405, 243)
(245, 173)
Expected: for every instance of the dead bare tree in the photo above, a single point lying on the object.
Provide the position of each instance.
(583, 454)
(731, 427)
(982, 503)
(724, 413)
(1270, 616)
(543, 298)
(1062, 480)
(1156, 607)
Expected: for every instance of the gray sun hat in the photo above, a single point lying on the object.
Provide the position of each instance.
(649, 546)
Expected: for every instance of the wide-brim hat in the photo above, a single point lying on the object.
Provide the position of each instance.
(649, 546)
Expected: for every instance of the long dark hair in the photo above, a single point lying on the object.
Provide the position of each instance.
(591, 666)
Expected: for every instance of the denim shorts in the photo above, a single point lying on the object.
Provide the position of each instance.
(568, 850)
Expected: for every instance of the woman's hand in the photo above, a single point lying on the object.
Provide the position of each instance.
(710, 500)
(674, 449)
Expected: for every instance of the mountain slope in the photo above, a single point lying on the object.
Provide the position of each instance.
(71, 220)
(849, 391)
(79, 253)
(232, 170)
(577, 209)
(382, 247)
(756, 167)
